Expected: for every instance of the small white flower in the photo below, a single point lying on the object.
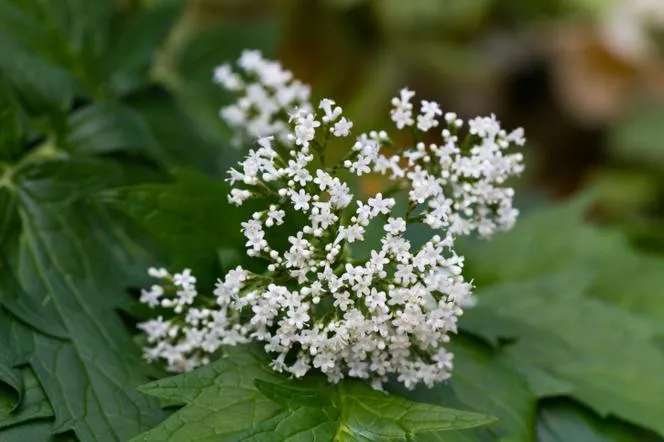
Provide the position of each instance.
(300, 200)
(184, 279)
(342, 128)
(305, 129)
(238, 196)
(395, 226)
(275, 216)
(160, 273)
(151, 297)
(224, 76)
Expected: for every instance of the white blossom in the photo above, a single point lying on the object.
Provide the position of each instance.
(266, 92)
(315, 305)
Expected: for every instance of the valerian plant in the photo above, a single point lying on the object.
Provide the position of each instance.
(316, 306)
(87, 128)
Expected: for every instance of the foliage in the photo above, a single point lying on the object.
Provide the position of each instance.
(240, 398)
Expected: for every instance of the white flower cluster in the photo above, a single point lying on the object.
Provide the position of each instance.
(318, 307)
(267, 94)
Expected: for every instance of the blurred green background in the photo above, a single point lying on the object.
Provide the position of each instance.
(585, 78)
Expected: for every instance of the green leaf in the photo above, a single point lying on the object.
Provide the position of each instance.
(620, 275)
(563, 330)
(563, 420)
(191, 218)
(485, 381)
(71, 256)
(72, 34)
(239, 398)
(59, 30)
(105, 128)
(42, 85)
(533, 248)
(29, 304)
(566, 343)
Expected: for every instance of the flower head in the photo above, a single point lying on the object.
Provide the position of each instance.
(318, 306)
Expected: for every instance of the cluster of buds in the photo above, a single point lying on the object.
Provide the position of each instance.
(317, 305)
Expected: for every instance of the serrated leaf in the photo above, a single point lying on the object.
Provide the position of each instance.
(11, 381)
(239, 398)
(565, 343)
(28, 401)
(106, 128)
(567, 299)
(79, 267)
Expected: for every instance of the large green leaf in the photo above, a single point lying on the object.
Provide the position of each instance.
(71, 256)
(28, 301)
(568, 344)
(239, 398)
